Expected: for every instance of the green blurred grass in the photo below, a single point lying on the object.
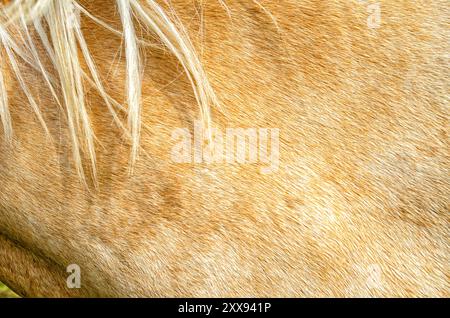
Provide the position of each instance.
(5, 292)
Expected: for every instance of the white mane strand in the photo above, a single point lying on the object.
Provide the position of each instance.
(58, 28)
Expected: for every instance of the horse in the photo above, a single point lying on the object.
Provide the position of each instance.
(224, 148)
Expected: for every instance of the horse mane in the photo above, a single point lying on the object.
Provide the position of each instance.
(56, 27)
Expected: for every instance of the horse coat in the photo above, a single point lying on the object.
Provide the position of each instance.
(135, 136)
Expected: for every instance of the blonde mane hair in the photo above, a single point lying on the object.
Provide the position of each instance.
(58, 30)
